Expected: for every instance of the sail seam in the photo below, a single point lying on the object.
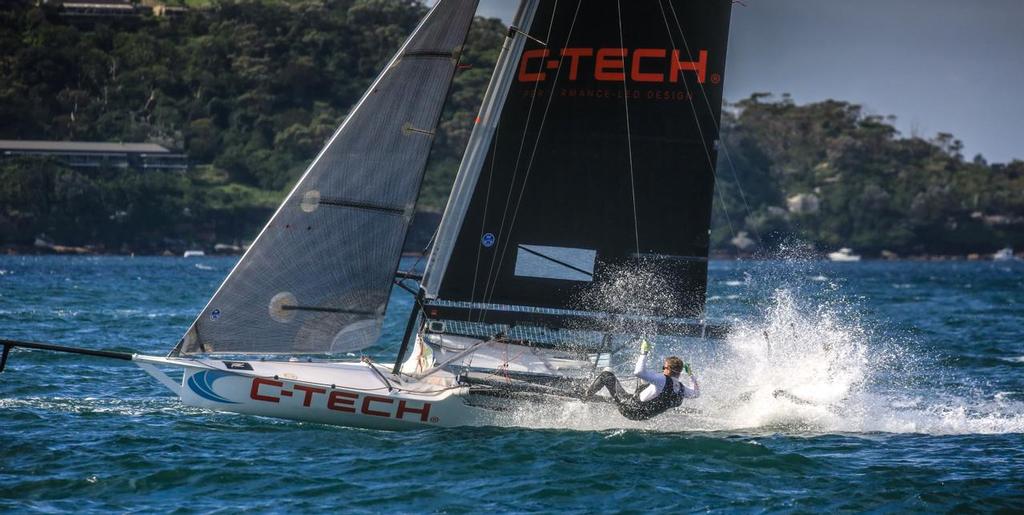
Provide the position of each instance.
(664, 257)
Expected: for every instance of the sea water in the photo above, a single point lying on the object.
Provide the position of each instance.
(889, 386)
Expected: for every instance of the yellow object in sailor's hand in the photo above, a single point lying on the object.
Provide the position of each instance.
(645, 346)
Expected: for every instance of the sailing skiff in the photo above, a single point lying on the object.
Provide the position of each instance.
(578, 221)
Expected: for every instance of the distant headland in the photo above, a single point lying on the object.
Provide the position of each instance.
(241, 95)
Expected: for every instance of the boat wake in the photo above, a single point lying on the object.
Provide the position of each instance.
(805, 370)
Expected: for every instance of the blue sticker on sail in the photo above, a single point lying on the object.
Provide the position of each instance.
(202, 384)
(488, 240)
(215, 314)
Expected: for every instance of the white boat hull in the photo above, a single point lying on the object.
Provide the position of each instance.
(346, 394)
(365, 395)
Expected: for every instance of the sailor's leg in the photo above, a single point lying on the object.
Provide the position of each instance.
(607, 380)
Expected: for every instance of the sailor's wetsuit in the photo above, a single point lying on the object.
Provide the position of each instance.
(661, 394)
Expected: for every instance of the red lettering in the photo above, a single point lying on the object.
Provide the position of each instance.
(700, 66)
(574, 55)
(254, 394)
(310, 390)
(342, 401)
(403, 409)
(529, 55)
(646, 53)
(611, 64)
(366, 406)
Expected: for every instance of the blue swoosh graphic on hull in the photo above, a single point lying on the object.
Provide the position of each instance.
(202, 384)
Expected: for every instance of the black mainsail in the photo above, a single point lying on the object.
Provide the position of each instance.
(602, 161)
(318, 277)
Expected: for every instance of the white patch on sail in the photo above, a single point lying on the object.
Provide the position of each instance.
(277, 307)
(356, 336)
(310, 201)
(555, 263)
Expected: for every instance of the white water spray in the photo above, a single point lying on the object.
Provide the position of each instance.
(803, 366)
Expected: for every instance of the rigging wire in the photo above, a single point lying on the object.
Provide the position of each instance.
(707, 102)
(502, 244)
(515, 173)
(492, 277)
(483, 221)
(629, 134)
(426, 250)
(696, 119)
(490, 181)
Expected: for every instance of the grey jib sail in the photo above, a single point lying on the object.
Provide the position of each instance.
(597, 182)
(318, 277)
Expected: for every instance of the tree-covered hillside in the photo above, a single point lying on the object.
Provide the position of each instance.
(834, 176)
(251, 90)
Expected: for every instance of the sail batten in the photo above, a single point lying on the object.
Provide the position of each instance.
(318, 277)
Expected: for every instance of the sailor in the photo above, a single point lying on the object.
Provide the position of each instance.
(663, 392)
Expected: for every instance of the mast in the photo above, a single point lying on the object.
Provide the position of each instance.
(469, 169)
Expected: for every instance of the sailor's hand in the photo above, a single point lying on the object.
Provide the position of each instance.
(686, 368)
(645, 346)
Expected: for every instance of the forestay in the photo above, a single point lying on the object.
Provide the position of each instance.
(598, 180)
(318, 277)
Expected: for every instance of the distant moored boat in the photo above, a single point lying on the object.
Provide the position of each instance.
(843, 255)
(1004, 254)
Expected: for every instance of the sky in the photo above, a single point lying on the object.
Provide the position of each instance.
(952, 66)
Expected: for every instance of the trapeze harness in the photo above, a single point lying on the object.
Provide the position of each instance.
(635, 409)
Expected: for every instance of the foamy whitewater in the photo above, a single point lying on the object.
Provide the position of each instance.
(796, 365)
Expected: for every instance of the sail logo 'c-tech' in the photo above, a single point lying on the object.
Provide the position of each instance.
(652, 65)
(202, 384)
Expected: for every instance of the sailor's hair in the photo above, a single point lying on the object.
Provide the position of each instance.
(675, 365)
